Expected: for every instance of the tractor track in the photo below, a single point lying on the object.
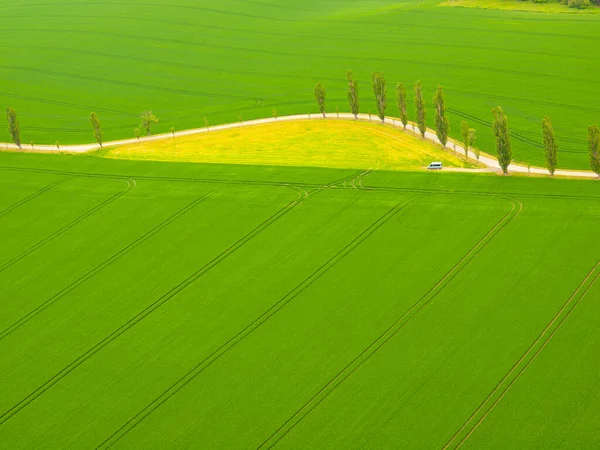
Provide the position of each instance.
(233, 341)
(97, 269)
(130, 185)
(530, 355)
(388, 334)
(303, 195)
(33, 196)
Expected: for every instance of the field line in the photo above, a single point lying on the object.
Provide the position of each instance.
(148, 310)
(256, 323)
(182, 179)
(298, 184)
(93, 272)
(34, 195)
(130, 185)
(523, 363)
(390, 332)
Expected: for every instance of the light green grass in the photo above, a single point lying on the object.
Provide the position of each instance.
(550, 7)
(315, 143)
(187, 60)
(154, 305)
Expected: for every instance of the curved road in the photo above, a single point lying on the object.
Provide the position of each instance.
(490, 162)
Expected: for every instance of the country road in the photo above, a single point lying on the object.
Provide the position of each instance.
(489, 161)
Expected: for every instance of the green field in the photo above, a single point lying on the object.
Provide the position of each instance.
(192, 59)
(160, 305)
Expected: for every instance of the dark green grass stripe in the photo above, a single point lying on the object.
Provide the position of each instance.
(30, 315)
(388, 334)
(68, 226)
(32, 196)
(177, 179)
(256, 323)
(307, 185)
(264, 51)
(149, 309)
(117, 82)
(502, 388)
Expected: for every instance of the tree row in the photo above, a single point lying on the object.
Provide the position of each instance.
(442, 123)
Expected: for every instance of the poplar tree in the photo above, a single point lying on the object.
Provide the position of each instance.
(96, 127)
(500, 128)
(442, 124)
(420, 108)
(472, 138)
(13, 125)
(550, 145)
(320, 96)
(148, 119)
(464, 132)
(594, 148)
(401, 102)
(380, 92)
(352, 94)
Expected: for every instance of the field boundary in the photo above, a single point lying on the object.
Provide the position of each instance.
(298, 183)
(530, 355)
(389, 333)
(452, 145)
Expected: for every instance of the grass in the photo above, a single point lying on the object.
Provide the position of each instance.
(187, 61)
(551, 7)
(314, 143)
(152, 304)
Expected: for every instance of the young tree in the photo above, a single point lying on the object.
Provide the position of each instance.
(401, 102)
(206, 124)
(148, 119)
(173, 131)
(594, 148)
(550, 145)
(464, 132)
(420, 108)
(275, 114)
(57, 145)
(500, 128)
(352, 94)
(442, 124)
(320, 96)
(380, 94)
(337, 111)
(96, 127)
(13, 125)
(136, 133)
(472, 139)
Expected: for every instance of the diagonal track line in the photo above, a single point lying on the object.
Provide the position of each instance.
(91, 273)
(148, 310)
(388, 334)
(233, 341)
(502, 388)
(34, 195)
(130, 185)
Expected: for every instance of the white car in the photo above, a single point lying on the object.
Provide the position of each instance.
(435, 166)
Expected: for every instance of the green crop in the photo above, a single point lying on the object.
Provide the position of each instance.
(63, 60)
(152, 304)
